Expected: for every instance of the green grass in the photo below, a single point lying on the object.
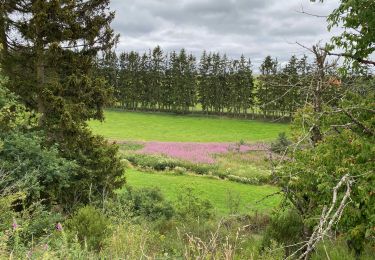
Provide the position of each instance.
(249, 164)
(137, 126)
(207, 188)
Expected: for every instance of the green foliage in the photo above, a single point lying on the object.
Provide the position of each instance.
(148, 203)
(13, 115)
(338, 250)
(285, 228)
(358, 19)
(253, 175)
(159, 163)
(53, 76)
(90, 225)
(274, 251)
(347, 148)
(190, 207)
(100, 168)
(130, 241)
(39, 172)
(38, 223)
(281, 144)
(173, 82)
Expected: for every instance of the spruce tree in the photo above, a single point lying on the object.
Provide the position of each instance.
(266, 87)
(156, 76)
(50, 62)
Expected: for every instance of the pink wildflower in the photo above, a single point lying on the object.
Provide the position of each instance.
(193, 152)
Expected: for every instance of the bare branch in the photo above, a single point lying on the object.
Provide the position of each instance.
(328, 217)
(310, 14)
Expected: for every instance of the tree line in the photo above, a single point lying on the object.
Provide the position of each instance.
(179, 82)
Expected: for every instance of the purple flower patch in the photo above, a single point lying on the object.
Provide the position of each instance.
(193, 152)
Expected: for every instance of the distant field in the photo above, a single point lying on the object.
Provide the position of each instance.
(137, 126)
(214, 190)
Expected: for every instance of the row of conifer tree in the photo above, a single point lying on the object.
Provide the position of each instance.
(178, 82)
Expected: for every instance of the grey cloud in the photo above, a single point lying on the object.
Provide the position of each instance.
(254, 28)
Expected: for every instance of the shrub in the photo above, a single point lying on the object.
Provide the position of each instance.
(189, 207)
(37, 223)
(180, 170)
(90, 225)
(37, 171)
(286, 227)
(159, 163)
(148, 203)
(281, 144)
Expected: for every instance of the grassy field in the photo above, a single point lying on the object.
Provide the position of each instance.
(134, 126)
(217, 191)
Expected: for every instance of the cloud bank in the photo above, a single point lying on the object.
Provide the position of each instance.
(255, 28)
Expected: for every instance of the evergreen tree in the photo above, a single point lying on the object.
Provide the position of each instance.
(108, 68)
(203, 81)
(50, 62)
(246, 83)
(156, 75)
(265, 92)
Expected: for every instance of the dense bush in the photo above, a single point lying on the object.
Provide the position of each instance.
(189, 207)
(281, 144)
(39, 172)
(78, 170)
(286, 228)
(148, 203)
(90, 225)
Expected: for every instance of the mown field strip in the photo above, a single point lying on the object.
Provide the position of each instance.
(134, 126)
(217, 191)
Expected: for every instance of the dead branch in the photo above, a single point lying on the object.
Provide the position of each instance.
(329, 217)
(310, 14)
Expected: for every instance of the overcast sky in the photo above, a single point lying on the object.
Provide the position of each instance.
(255, 28)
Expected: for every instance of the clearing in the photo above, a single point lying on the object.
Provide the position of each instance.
(137, 126)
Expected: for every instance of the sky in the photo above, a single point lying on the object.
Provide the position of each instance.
(255, 28)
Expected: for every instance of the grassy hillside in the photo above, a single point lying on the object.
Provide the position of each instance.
(217, 191)
(163, 127)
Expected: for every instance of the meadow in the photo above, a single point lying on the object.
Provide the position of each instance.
(183, 135)
(222, 194)
(137, 126)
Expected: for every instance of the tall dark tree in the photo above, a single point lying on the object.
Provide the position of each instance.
(50, 61)
(156, 73)
(266, 85)
(108, 68)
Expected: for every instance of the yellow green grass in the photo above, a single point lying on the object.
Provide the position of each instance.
(136, 126)
(216, 191)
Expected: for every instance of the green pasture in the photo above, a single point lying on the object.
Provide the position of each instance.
(136, 126)
(215, 190)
